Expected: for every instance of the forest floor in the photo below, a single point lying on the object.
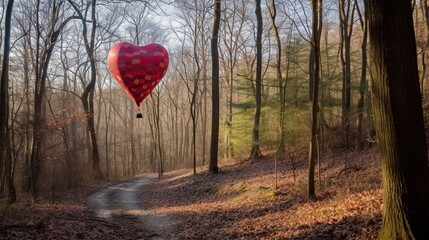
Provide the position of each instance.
(67, 217)
(241, 202)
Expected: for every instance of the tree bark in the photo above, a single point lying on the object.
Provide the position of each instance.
(363, 82)
(41, 72)
(214, 144)
(398, 120)
(315, 42)
(255, 151)
(157, 123)
(281, 83)
(346, 30)
(88, 94)
(425, 9)
(5, 156)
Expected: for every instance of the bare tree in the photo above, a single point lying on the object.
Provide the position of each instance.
(315, 45)
(195, 22)
(4, 108)
(281, 82)
(41, 73)
(346, 10)
(88, 94)
(213, 168)
(363, 81)
(255, 152)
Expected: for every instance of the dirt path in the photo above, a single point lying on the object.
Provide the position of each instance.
(123, 202)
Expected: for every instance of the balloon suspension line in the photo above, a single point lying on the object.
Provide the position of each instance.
(139, 114)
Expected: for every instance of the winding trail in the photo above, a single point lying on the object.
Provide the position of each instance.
(124, 201)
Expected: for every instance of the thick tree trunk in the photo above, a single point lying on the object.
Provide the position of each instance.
(399, 120)
(5, 155)
(214, 143)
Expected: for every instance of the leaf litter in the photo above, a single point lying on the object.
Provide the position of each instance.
(240, 202)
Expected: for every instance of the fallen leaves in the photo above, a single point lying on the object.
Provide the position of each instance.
(67, 219)
(241, 202)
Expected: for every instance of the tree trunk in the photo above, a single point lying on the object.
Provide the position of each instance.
(131, 132)
(315, 42)
(256, 152)
(41, 72)
(88, 94)
(159, 134)
(34, 165)
(5, 155)
(311, 75)
(213, 167)
(346, 29)
(363, 82)
(28, 133)
(425, 9)
(106, 138)
(273, 12)
(398, 120)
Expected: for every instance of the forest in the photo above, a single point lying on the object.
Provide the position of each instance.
(269, 109)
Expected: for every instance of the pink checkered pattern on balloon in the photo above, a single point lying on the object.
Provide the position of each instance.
(138, 69)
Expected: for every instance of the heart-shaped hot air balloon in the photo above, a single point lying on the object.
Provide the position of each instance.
(138, 69)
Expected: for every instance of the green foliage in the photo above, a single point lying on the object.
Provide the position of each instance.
(297, 110)
(296, 120)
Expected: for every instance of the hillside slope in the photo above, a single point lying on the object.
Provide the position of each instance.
(241, 202)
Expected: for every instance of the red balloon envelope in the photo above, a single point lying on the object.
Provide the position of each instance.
(138, 69)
